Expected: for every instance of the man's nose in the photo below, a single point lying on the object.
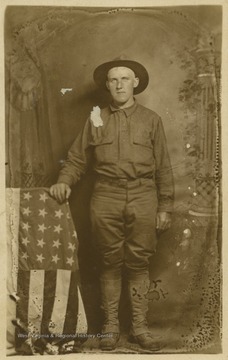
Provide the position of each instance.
(119, 84)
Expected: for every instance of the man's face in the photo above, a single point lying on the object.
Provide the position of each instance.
(121, 83)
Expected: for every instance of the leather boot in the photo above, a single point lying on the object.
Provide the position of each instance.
(146, 341)
(110, 298)
(138, 286)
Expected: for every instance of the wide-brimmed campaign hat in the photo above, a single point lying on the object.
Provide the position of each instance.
(100, 73)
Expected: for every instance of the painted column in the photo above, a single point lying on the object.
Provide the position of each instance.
(206, 194)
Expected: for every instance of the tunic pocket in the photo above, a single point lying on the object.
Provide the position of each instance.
(142, 140)
(143, 148)
(103, 149)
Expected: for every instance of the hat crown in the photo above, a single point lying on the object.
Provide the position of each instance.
(121, 57)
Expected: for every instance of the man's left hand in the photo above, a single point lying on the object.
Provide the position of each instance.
(163, 220)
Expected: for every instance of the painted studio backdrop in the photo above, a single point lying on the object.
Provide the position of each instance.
(50, 54)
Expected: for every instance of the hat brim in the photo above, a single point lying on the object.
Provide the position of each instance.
(100, 73)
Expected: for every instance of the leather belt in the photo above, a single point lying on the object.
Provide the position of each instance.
(122, 182)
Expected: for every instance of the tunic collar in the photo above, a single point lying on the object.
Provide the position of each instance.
(128, 111)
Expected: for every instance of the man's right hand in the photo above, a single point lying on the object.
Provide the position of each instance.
(60, 191)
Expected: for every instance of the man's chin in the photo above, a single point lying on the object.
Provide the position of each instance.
(120, 99)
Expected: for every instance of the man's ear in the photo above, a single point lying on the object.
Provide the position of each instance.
(107, 84)
(136, 82)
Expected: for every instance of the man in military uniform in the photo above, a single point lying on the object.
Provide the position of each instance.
(132, 197)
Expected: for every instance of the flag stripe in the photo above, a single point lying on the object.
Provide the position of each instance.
(82, 321)
(23, 281)
(12, 211)
(61, 300)
(35, 308)
(72, 306)
(12, 226)
(49, 297)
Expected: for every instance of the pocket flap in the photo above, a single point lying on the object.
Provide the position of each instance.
(142, 138)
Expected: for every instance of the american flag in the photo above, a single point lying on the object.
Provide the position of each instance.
(44, 271)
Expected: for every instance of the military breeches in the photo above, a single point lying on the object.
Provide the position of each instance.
(123, 216)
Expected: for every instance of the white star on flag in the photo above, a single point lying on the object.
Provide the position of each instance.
(55, 258)
(74, 234)
(25, 241)
(27, 196)
(26, 226)
(40, 258)
(70, 261)
(41, 243)
(42, 212)
(71, 246)
(57, 229)
(68, 216)
(42, 227)
(25, 256)
(26, 211)
(58, 213)
(43, 197)
(56, 243)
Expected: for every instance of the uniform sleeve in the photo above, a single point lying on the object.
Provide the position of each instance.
(163, 172)
(77, 159)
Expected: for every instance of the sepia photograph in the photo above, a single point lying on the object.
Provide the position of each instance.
(113, 179)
